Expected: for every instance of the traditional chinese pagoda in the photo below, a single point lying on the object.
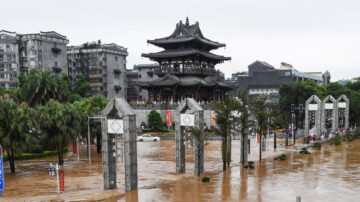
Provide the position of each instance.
(186, 67)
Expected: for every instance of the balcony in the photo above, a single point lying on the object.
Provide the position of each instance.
(95, 84)
(95, 76)
(117, 71)
(186, 70)
(57, 70)
(56, 50)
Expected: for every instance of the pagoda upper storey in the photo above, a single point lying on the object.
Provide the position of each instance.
(186, 51)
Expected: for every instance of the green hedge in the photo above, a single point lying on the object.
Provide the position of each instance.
(26, 156)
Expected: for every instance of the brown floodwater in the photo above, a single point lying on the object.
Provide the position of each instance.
(331, 174)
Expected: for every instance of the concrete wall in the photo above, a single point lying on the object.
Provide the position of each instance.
(119, 80)
(146, 77)
(9, 68)
(41, 56)
(142, 116)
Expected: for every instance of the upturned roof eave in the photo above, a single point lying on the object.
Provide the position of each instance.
(167, 40)
(168, 54)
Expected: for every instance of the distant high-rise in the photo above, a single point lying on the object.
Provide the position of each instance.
(24, 52)
(103, 65)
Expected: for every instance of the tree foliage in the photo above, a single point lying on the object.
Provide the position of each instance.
(224, 119)
(81, 86)
(60, 123)
(16, 122)
(299, 92)
(154, 120)
(41, 86)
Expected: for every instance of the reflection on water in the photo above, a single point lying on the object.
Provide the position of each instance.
(331, 174)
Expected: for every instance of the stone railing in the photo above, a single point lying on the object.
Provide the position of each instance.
(165, 106)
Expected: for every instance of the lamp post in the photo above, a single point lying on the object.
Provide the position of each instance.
(300, 108)
(52, 169)
(97, 118)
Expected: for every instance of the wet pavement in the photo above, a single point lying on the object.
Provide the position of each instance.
(331, 174)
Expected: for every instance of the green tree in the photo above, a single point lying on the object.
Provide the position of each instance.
(154, 120)
(16, 122)
(242, 106)
(41, 86)
(21, 80)
(90, 107)
(81, 86)
(196, 134)
(224, 119)
(261, 112)
(60, 123)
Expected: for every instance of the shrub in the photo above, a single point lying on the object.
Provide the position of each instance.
(205, 179)
(27, 156)
(336, 141)
(250, 165)
(154, 120)
(317, 145)
(282, 157)
(304, 151)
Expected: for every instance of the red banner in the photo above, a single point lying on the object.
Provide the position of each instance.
(62, 180)
(168, 117)
(213, 118)
(74, 147)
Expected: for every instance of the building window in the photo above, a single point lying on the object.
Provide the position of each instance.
(287, 73)
(116, 58)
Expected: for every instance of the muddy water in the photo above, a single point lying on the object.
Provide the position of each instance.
(332, 174)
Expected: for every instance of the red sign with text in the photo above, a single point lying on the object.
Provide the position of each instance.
(168, 117)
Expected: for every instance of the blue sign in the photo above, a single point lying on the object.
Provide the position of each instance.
(2, 186)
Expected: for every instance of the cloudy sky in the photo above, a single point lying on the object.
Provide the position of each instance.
(312, 35)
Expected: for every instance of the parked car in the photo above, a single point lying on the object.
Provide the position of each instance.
(148, 137)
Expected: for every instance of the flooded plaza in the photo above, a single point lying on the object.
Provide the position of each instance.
(331, 174)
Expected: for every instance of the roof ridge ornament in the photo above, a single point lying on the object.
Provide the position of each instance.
(187, 21)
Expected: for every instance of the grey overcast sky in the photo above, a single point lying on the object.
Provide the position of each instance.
(312, 35)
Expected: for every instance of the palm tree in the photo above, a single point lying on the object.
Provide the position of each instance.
(60, 124)
(16, 122)
(41, 86)
(224, 119)
(89, 107)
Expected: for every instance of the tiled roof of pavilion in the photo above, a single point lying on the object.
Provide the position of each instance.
(172, 80)
(186, 33)
(184, 52)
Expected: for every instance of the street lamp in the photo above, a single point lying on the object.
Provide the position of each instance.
(51, 170)
(300, 108)
(96, 118)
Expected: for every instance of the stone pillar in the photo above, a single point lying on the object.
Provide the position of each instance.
(323, 113)
(199, 151)
(119, 109)
(317, 115)
(130, 148)
(341, 99)
(108, 155)
(180, 147)
(194, 107)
